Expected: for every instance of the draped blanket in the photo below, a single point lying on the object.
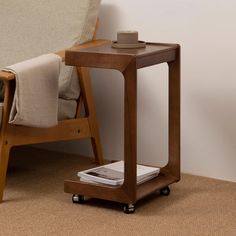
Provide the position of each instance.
(35, 100)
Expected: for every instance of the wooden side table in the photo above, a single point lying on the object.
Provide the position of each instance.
(128, 61)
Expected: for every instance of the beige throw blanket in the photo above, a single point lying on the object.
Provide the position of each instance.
(35, 101)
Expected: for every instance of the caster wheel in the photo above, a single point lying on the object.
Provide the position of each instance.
(129, 208)
(165, 191)
(79, 199)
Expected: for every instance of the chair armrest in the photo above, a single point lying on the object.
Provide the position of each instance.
(6, 76)
(9, 76)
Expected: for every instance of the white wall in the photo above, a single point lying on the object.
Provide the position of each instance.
(207, 33)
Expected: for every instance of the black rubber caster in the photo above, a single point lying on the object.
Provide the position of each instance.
(79, 199)
(165, 191)
(128, 208)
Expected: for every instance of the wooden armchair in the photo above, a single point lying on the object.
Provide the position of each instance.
(74, 128)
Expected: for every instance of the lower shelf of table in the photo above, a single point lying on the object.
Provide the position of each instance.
(119, 194)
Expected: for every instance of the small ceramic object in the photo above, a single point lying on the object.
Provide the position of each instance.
(128, 39)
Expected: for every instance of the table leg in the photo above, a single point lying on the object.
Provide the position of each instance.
(130, 130)
(174, 116)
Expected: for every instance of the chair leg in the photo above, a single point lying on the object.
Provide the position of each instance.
(97, 150)
(86, 89)
(4, 158)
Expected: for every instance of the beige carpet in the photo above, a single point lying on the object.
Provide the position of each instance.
(35, 203)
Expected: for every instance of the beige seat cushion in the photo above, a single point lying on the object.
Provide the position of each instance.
(66, 109)
(31, 28)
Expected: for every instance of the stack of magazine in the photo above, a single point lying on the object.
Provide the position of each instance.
(113, 174)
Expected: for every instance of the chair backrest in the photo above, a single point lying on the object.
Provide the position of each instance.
(30, 28)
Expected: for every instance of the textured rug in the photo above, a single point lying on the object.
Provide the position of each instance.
(35, 204)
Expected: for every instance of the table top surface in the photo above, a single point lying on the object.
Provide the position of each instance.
(151, 48)
(105, 56)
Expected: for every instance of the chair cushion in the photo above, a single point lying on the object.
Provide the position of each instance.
(31, 28)
(66, 109)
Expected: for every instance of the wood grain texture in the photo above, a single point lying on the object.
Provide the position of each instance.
(128, 61)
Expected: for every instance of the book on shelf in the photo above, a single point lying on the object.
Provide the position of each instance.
(113, 174)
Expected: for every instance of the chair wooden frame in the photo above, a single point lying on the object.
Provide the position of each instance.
(71, 129)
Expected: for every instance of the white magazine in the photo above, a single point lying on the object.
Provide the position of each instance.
(113, 174)
(83, 179)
